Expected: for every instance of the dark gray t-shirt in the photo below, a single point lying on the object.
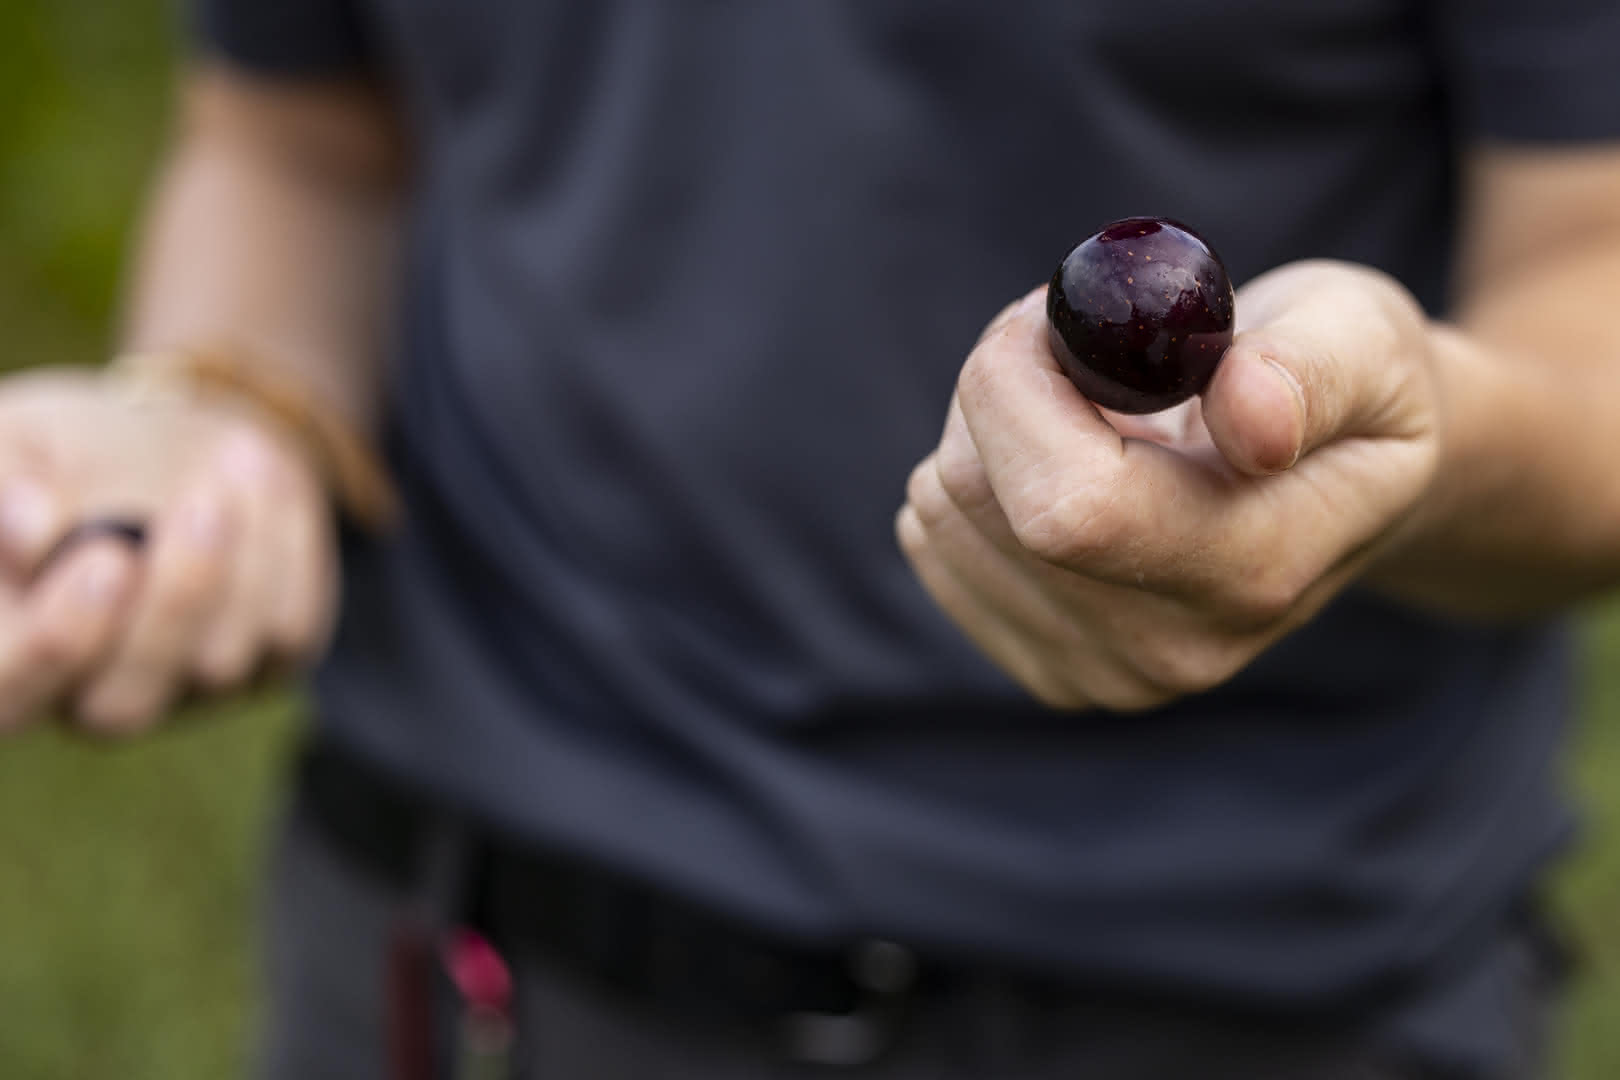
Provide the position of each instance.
(690, 286)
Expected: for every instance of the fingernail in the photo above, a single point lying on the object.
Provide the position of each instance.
(27, 515)
(101, 580)
(1296, 394)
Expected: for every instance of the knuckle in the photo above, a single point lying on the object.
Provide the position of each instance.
(921, 491)
(1056, 695)
(117, 715)
(298, 635)
(963, 480)
(224, 666)
(1182, 668)
(909, 533)
(55, 646)
(307, 619)
(1131, 696)
(1067, 531)
(1264, 599)
(250, 442)
(974, 377)
(284, 480)
(1002, 319)
(1057, 686)
(256, 462)
(926, 492)
(976, 381)
(1110, 686)
(188, 588)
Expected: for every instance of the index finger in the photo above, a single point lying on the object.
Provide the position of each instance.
(1080, 495)
(1055, 464)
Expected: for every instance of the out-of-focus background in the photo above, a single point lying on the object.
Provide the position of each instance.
(128, 874)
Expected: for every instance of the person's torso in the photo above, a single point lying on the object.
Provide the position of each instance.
(693, 284)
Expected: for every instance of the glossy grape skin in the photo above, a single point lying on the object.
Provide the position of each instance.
(1140, 314)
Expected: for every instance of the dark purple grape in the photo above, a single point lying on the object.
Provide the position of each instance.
(1140, 314)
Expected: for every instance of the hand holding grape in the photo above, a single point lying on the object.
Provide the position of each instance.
(1117, 560)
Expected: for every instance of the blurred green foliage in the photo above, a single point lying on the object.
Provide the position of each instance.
(126, 914)
(82, 91)
(1590, 886)
(126, 905)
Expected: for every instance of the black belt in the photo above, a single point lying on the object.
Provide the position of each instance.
(831, 1005)
(821, 1004)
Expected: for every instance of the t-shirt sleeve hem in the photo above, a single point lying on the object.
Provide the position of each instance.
(1525, 109)
(278, 46)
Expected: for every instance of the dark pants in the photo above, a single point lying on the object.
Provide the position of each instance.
(329, 929)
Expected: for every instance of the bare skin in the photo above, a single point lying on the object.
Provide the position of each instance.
(1123, 562)
(273, 227)
(1100, 560)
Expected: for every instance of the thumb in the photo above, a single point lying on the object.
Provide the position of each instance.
(1335, 353)
(1256, 411)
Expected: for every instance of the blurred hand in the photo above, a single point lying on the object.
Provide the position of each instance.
(238, 570)
(1118, 561)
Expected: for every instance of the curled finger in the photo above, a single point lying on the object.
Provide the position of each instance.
(185, 571)
(988, 627)
(65, 624)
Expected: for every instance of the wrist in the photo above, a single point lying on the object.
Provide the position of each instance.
(1411, 554)
(348, 466)
(1515, 520)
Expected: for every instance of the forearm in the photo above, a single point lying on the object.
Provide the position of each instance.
(1524, 513)
(274, 230)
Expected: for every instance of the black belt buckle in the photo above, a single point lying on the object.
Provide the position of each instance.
(886, 975)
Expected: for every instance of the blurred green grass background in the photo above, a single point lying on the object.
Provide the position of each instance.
(128, 874)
